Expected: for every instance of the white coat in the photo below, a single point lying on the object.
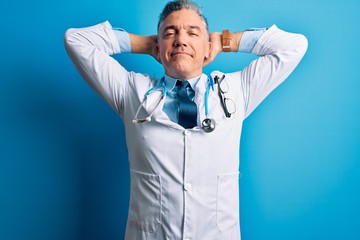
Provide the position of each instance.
(184, 182)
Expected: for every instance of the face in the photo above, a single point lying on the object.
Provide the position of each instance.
(183, 44)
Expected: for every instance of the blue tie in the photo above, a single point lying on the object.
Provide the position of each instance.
(187, 107)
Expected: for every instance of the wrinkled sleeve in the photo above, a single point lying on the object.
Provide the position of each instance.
(90, 50)
(279, 53)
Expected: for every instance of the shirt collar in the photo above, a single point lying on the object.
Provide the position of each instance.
(170, 82)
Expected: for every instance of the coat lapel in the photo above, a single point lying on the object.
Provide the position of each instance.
(154, 104)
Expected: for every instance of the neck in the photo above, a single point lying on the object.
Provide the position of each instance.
(184, 76)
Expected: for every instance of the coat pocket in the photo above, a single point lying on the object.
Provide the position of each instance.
(227, 212)
(145, 201)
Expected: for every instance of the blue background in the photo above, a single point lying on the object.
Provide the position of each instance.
(63, 159)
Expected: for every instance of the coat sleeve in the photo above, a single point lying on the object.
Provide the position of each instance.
(280, 52)
(90, 49)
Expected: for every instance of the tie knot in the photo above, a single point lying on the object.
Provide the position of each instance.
(182, 84)
(184, 89)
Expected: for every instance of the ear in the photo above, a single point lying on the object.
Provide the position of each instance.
(208, 49)
(157, 52)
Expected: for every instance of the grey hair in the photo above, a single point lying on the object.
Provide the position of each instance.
(177, 5)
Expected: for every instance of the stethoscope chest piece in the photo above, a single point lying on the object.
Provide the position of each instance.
(208, 125)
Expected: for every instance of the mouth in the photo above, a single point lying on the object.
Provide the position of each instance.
(179, 53)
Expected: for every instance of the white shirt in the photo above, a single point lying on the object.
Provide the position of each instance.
(184, 182)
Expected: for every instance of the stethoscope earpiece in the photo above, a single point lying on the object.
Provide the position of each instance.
(208, 125)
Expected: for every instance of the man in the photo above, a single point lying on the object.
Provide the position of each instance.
(183, 139)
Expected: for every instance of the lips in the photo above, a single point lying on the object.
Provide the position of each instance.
(179, 53)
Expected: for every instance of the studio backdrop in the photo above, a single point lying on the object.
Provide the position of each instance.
(64, 172)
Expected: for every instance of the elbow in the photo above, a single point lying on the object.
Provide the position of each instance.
(302, 44)
(71, 43)
(71, 38)
(67, 38)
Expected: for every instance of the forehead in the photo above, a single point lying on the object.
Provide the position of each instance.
(183, 18)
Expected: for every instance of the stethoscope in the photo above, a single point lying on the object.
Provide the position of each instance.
(207, 125)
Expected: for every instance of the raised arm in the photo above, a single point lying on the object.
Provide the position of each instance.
(279, 53)
(90, 50)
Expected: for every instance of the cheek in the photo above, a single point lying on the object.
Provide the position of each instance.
(202, 49)
(163, 54)
(163, 46)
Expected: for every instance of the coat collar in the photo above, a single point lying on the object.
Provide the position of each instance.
(200, 85)
(170, 82)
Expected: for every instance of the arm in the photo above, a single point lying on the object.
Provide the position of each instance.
(90, 50)
(279, 52)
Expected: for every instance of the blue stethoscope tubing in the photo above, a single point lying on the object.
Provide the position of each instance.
(208, 124)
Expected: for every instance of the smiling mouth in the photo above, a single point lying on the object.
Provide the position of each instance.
(179, 53)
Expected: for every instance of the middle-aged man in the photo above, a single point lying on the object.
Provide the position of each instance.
(183, 130)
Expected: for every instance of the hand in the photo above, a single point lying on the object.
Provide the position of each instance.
(144, 45)
(216, 47)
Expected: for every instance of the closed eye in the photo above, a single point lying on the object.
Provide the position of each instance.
(169, 33)
(193, 34)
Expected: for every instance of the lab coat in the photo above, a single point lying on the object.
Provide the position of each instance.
(184, 182)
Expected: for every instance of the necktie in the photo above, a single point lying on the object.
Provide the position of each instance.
(187, 107)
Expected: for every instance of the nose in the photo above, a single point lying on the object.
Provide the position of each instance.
(180, 39)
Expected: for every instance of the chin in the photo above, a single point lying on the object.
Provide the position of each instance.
(180, 71)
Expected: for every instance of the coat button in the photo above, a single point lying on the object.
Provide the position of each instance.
(187, 187)
(187, 132)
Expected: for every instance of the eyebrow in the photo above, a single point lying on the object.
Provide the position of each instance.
(173, 27)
